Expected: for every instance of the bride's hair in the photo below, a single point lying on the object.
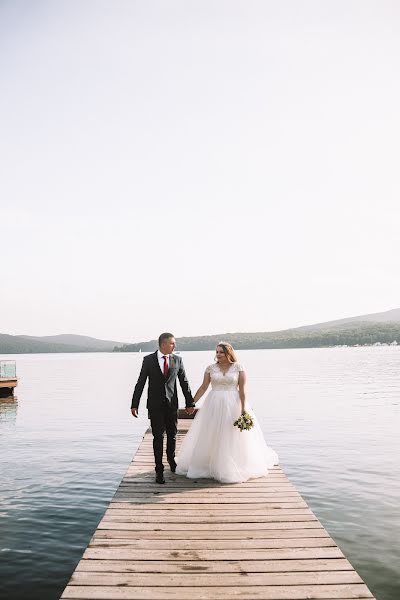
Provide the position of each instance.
(228, 351)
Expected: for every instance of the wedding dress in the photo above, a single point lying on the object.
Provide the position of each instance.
(213, 447)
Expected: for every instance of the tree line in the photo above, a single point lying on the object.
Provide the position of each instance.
(360, 334)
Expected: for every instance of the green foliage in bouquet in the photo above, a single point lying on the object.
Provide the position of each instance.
(244, 422)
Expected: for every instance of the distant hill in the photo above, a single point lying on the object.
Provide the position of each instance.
(26, 344)
(389, 316)
(373, 328)
(352, 331)
(81, 341)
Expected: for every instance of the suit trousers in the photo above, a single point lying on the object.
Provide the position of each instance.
(164, 420)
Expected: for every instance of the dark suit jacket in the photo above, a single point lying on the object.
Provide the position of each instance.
(162, 390)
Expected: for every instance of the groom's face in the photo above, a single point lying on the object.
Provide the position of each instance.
(168, 346)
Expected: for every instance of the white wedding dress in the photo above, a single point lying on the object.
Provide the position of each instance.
(213, 447)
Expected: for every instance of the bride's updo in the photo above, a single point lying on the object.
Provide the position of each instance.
(228, 351)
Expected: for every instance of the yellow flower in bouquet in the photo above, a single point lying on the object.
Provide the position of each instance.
(244, 422)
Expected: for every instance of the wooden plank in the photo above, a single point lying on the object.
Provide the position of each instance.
(179, 480)
(214, 566)
(207, 497)
(147, 476)
(224, 518)
(160, 525)
(131, 513)
(147, 472)
(125, 508)
(210, 534)
(194, 544)
(318, 592)
(196, 490)
(258, 554)
(212, 579)
(278, 503)
(166, 490)
(178, 486)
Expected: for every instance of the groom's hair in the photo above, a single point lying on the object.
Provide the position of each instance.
(164, 336)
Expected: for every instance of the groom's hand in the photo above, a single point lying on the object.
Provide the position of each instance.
(134, 411)
(189, 410)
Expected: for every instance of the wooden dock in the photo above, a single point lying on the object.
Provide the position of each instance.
(8, 378)
(7, 385)
(201, 539)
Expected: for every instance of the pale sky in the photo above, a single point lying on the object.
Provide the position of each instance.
(201, 166)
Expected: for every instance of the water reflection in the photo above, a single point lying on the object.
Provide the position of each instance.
(8, 410)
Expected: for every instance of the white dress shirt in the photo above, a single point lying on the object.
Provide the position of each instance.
(160, 357)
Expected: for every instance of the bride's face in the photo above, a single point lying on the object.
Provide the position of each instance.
(220, 355)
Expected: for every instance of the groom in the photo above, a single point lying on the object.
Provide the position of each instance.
(161, 369)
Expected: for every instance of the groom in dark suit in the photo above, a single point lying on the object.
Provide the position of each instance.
(161, 369)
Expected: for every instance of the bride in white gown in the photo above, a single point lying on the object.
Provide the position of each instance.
(213, 447)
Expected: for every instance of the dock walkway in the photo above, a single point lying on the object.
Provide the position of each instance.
(187, 540)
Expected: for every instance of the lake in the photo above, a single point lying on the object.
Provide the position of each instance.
(332, 414)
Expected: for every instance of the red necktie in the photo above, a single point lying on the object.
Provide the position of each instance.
(165, 366)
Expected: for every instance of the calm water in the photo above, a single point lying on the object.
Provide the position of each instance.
(332, 415)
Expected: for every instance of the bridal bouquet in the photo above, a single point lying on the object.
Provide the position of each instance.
(245, 421)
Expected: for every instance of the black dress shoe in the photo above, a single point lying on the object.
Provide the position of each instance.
(160, 478)
(172, 465)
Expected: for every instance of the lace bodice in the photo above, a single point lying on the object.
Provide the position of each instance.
(224, 382)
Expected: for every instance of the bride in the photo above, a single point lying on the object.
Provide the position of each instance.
(213, 447)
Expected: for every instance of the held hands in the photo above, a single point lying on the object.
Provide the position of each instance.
(134, 412)
(189, 410)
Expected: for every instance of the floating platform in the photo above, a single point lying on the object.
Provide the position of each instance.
(7, 385)
(8, 377)
(199, 539)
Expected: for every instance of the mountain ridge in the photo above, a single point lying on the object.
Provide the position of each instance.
(387, 316)
(383, 327)
(83, 341)
(28, 344)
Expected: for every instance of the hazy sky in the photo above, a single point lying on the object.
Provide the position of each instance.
(197, 166)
